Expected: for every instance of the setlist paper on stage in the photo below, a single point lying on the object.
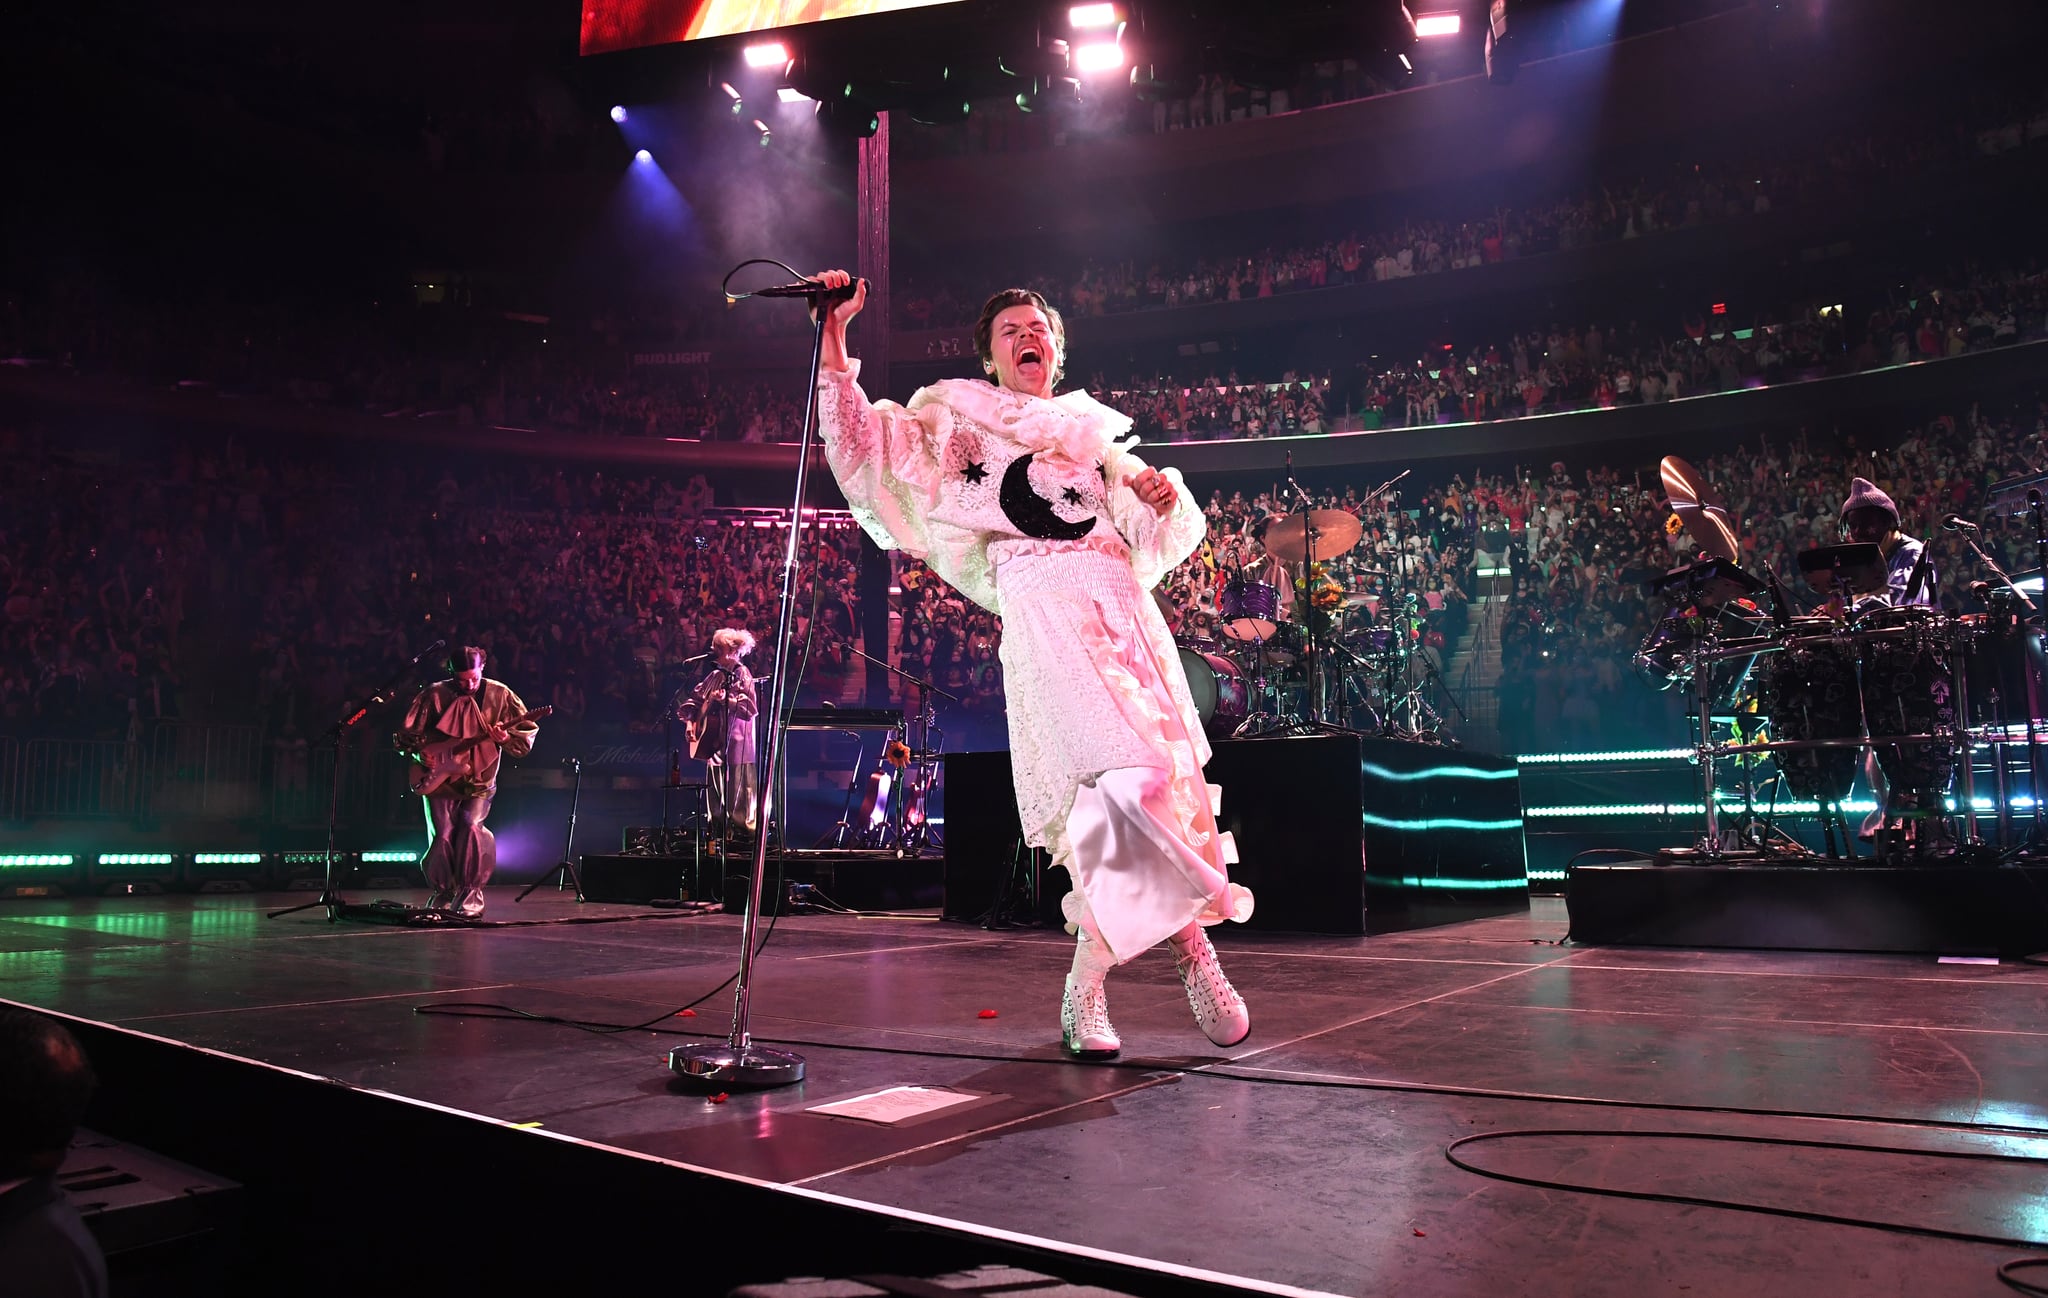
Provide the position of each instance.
(895, 1104)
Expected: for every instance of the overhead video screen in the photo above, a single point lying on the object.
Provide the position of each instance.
(610, 25)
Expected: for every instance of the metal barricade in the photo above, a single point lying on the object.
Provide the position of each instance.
(83, 779)
(10, 778)
(206, 772)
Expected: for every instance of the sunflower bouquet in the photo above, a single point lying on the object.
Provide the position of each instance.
(1318, 598)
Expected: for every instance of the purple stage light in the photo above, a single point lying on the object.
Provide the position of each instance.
(643, 156)
(618, 113)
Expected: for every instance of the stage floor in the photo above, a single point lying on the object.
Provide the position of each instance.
(1313, 1155)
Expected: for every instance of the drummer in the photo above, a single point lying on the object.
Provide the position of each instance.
(1869, 516)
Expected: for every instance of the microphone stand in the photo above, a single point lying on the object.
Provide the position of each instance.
(1308, 590)
(352, 716)
(738, 1061)
(2033, 615)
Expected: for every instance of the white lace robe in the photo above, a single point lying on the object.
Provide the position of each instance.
(1025, 505)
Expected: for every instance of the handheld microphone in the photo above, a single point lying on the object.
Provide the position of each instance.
(805, 288)
(1957, 523)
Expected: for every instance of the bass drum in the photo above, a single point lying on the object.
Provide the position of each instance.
(1810, 692)
(1909, 689)
(1222, 700)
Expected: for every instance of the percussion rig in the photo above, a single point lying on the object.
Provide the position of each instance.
(1266, 674)
(1918, 694)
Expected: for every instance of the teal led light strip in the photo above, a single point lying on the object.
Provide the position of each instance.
(14, 862)
(1460, 885)
(1437, 773)
(135, 858)
(1547, 876)
(1689, 809)
(389, 858)
(1440, 822)
(229, 858)
(1631, 755)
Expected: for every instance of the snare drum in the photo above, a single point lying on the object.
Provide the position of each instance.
(1249, 609)
(1222, 700)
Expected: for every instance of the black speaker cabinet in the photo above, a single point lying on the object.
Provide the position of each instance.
(1337, 834)
(638, 880)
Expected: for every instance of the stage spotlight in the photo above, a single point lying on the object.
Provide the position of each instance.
(791, 95)
(1433, 22)
(1098, 56)
(643, 156)
(1094, 15)
(762, 127)
(843, 116)
(769, 54)
(618, 114)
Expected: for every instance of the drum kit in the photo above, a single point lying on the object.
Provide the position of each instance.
(1262, 673)
(1932, 697)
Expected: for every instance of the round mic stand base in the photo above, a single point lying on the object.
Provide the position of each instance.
(722, 1064)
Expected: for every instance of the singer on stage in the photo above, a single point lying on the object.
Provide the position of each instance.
(1034, 507)
(481, 719)
(720, 715)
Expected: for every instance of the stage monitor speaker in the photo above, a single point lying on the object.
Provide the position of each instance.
(983, 841)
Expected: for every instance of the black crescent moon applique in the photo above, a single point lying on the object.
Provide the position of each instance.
(1031, 513)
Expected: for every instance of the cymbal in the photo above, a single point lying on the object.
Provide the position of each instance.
(1712, 530)
(1336, 532)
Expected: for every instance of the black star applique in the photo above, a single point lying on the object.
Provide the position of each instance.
(1072, 495)
(974, 472)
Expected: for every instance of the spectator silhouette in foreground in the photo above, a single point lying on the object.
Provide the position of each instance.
(45, 1083)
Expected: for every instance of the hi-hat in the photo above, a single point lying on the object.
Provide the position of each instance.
(1336, 531)
(1711, 528)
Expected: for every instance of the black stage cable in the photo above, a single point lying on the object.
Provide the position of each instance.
(2005, 1273)
(1736, 1205)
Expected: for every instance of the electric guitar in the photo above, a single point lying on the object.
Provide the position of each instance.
(446, 759)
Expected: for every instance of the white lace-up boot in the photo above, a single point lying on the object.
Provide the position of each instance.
(1219, 1010)
(1084, 1008)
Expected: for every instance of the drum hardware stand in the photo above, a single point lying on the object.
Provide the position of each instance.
(354, 715)
(837, 837)
(922, 773)
(565, 870)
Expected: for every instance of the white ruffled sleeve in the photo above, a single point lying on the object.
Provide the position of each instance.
(1158, 545)
(884, 458)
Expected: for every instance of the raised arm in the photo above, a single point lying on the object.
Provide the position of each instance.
(883, 456)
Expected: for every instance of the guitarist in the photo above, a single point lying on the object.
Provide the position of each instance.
(719, 715)
(461, 852)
